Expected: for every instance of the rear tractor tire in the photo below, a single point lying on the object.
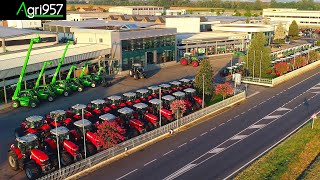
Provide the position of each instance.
(195, 63)
(13, 161)
(66, 93)
(32, 171)
(50, 99)
(15, 104)
(184, 62)
(91, 149)
(93, 85)
(66, 159)
(33, 104)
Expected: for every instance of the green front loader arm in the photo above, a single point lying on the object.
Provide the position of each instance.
(41, 73)
(83, 69)
(100, 70)
(18, 88)
(60, 63)
(70, 72)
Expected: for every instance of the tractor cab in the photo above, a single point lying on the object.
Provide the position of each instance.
(62, 88)
(141, 112)
(182, 96)
(112, 119)
(46, 92)
(192, 97)
(97, 107)
(61, 132)
(27, 143)
(75, 112)
(154, 91)
(83, 124)
(166, 88)
(115, 102)
(27, 97)
(176, 86)
(168, 99)
(185, 83)
(130, 98)
(137, 71)
(126, 116)
(155, 105)
(33, 125)
(143, 94)
(58, 118)
(165, 113)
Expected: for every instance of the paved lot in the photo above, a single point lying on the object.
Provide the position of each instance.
(10, 120)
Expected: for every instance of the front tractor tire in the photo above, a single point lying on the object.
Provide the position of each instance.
(66, 93)
(33, 104)
(91, 149)
(80, 89)
(13, 161)
(130, 73)
(184, 61)
(32, 171)
(15, 104)
(93, 85)
(66, 159)
(195, 63)
(50, 98)
(135, 76)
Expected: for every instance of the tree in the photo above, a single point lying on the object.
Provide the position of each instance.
(281, 68)
(236, 13)
(257, 53)
(224, 90)
(257, 5)
(72, 8)
(108, 134)
(247, 13)
(318, 42)
(313, 56)
(280, 32)
(294, 29)
(206, 71)
(178, 107)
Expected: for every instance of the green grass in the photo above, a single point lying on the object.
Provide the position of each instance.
(210, 101)
(289, 159)
(314, 172)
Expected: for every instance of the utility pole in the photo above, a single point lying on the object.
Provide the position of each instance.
(202, 91)
(57, 140)
(84, 136)
(260, 65)
(254, 61)
(160, 107)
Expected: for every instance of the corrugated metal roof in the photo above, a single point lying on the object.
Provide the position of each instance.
(7, 32)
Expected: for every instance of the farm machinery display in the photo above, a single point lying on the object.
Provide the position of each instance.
(137, 71)
(182, 96)
(130, 98)
(44, 92)
(78, 111)
(193, 98)
(143, 95)
(110, 118)
(141, 112)
(127, 118)
(32, 125)
(166, 89)
(115, 102)
(86, 80)
(98, 107)
(176, 86)
(167, 115)
(58, 118)
(195, 60)
(154, 91)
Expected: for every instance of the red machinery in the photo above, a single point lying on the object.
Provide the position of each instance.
(130, 98)
(192, 97)
(143, 95)
(33, 125)
(75, 112)
(141, 112)
(98, 107)
(167, 115)
(58, 118)
(127, 118)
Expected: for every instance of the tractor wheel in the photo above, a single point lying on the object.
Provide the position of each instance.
(18, 132)
(33, 104)
(135, 76)
(54, 160)
(32, 171)
(141, 76)
(150, 126)
(130, 73)
(66, 159)
(80, 89)
(195, 63)
(50, 98)
(93, 85)
(135, 133)
(91, 149)
(13, 161)
(183, 61)
(15, 104)
(66, 93)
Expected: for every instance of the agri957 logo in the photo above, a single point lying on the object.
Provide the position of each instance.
(35, 9)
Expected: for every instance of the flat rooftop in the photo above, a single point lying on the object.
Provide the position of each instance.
(208, 36)
(8, 32)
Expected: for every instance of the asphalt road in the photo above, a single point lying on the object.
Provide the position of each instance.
(217, 147)
(10, 120)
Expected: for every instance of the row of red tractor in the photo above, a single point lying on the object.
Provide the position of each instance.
(133, 113)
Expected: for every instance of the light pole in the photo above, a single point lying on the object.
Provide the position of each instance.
(314, 116)
(57, 140)
(202, 91)
(84, 136)
(260, 64)
(254, 61)
(160, 107)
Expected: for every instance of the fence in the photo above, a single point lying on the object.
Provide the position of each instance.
(139, 140)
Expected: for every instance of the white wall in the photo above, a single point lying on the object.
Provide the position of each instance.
(184, 25)
(93, 37)
(121, 10)
(24, 24)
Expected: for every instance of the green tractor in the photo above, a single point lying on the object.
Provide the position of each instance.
(44, 92)
(26, 97)
(86, 80)
(74, 83)
(188, 58)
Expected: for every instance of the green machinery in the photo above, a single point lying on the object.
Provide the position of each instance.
(98, 77)
(235, 67)
(188, 58)
(86, 80)
(44, 92)
(26, 97)
(73, 82)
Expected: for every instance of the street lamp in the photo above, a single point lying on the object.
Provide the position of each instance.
(202, 91)
(57, 140)
(160, 106)
(84, 136)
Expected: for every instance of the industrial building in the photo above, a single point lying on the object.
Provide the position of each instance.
(138, 10)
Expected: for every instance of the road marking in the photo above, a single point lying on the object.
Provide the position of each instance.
(253, 94)
(243, 112)
(272, 117)
(203, 133)
(216, 150)
(249, 109)
(221, 124)
(229, 120)
(182, 145)
(256, 126)
(316, 92)
(212, 128)
(193, 139)
(315, 87)
(167, 153)
(237, 137)
(146, 164)
(127, 174)
(254, 106)
(179, 172)
(236, 116)
(283, 109)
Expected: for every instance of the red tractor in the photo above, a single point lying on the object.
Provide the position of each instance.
(69, 151)
(58, 118)
(143, 95)
(186, 83)
(166, 88)
(33, 125)
(154, 91)
(75, 112)
(98, 107)
(141, 112)
(192, 97)
(182, 96)
(176, 86)
(167, 115)
(167, 100)
(113, 119)
(114, 102)
(28, 156)
(127, 118)
(130, 98)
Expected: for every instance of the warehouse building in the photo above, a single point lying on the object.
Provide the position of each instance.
(137, 10)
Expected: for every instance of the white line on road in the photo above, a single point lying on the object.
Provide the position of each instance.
(236, 116)
(149, 162)
(253, 94)
(212, 128)
(127, 174)
(193, 139)
(229, 120)
(167, 153)
(203, 133)
(221, 124)
(243, 112)
(182, 145)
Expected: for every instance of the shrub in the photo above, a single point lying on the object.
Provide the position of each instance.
(178, 107)
(300, 61)
(108, 134)
(224, 90)
(281, 68)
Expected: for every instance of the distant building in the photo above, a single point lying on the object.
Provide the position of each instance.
(303, 18)
(175, 12)
(24, 24)
(137, 10)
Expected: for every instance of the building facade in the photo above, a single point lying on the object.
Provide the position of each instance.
(24, 24)
(137, 10)
(303, 18)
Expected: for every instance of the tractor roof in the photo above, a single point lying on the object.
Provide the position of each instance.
(98, 101)
(190, 90)
(175, 82)
(27, 138)
(61, 130)
(185, 80)
(34, 118)
(79, 106)
(140, 105)
(59, 112)
(114, 97)
(129, 94)
(178, 93)
(82, 123)
(125, 110)
(192, 79)
(153, 87)
(108, 117)
(155, 101)
(165, 85)
(142, 91)
(168, 97)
